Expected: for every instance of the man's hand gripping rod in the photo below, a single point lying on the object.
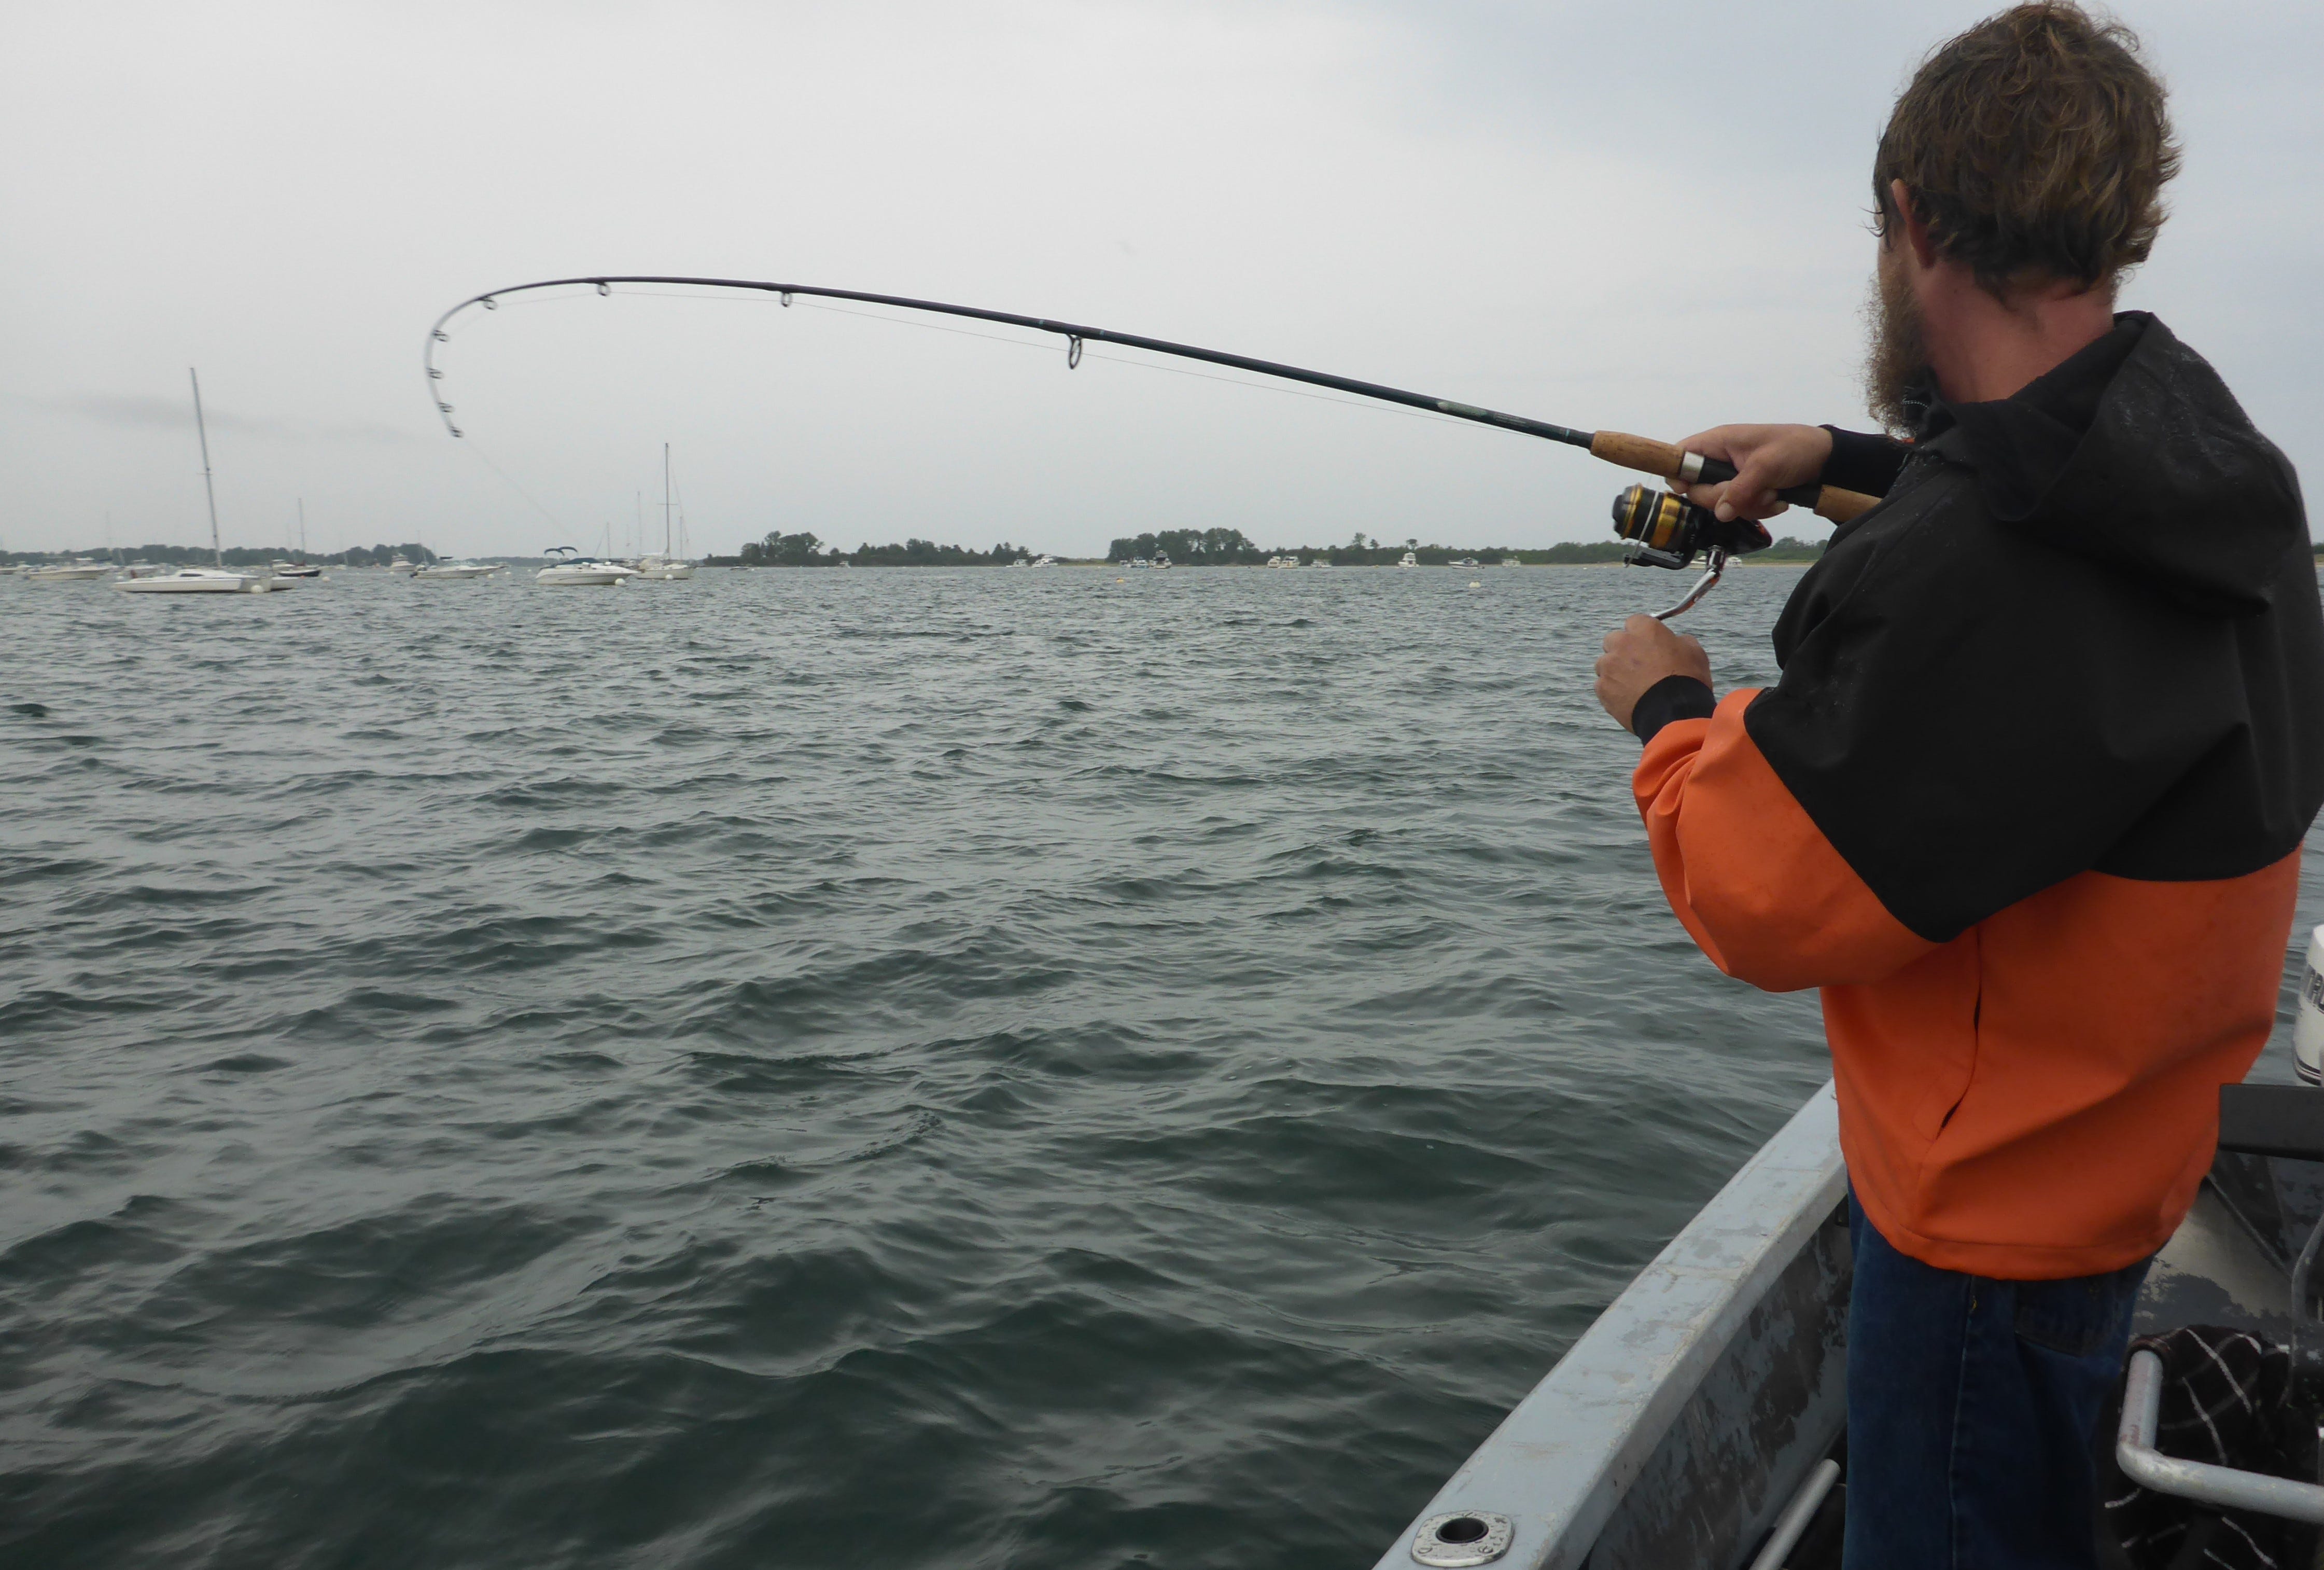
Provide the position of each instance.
(1665, 531)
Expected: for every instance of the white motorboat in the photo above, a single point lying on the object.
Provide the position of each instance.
(1283, 562)
(1409, 560)
(201, 580)
(1161, 559)
(401, 567)
(1133, 561)
(574, 570)
(1321, 561)
(458, 571)
(80, 570)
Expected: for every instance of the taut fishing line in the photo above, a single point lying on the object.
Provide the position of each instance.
(929, 326)
(1663, 529)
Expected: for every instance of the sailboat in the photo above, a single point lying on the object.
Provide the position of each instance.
(202, 580)
(662, 566)
(301, 567)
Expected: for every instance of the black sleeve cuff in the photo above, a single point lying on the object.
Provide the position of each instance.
(1674, 697)
(1863, 462)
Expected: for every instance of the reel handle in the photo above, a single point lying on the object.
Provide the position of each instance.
(1649, 457)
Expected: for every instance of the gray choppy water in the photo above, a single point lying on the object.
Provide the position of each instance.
(796, 1068)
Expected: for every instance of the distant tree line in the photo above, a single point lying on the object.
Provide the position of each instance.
(805, 551)
(1229, 547)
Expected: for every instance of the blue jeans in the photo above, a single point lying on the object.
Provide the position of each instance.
(1973, 1407)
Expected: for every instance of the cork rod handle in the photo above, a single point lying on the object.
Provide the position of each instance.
(1660, 457)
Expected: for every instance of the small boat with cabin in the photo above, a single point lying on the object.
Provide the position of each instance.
(80, 569)
(571, 570)
(201, 580)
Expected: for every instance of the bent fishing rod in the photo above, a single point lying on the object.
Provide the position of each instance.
(1663, 529)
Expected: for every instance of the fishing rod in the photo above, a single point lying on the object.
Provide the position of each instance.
(1663, 529)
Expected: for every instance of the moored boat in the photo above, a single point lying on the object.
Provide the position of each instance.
(664, 566)
(214, 580)
(79, 570)
(574, 570)
(201, 580)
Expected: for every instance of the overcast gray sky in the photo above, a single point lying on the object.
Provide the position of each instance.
(1645, 216)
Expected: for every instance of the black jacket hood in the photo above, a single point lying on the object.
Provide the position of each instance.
(2133, 453)
(2081, 633)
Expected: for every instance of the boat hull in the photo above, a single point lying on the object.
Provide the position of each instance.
(1684, 1419)
(580, 577)
(1706, 1397)
(204, 583)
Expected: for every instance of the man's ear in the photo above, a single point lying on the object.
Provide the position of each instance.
(1916, 228)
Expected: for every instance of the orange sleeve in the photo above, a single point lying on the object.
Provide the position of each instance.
(1759, 888)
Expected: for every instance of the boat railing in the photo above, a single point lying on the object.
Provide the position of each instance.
(2220, 1487)
(2277, 1122)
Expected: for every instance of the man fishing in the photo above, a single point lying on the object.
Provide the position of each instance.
(2027, 801)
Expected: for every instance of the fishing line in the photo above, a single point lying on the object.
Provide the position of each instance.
(520, 490)
(929, 326)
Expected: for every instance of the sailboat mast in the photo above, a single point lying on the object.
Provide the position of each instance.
(664, 498)
(208, 490)
(302, 528)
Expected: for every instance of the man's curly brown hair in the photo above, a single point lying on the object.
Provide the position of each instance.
(2035, 146)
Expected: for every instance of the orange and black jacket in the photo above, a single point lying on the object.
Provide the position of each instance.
(2027, 803)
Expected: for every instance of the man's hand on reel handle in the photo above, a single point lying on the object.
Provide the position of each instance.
(1638, 653)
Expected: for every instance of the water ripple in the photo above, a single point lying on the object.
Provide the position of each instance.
(903, 1068)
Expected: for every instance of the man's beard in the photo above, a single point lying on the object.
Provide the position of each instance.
(1897, 353)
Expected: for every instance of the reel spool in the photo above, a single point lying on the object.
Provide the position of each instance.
(1667, 530)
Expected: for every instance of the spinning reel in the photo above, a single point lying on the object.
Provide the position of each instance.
(1667, 530)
